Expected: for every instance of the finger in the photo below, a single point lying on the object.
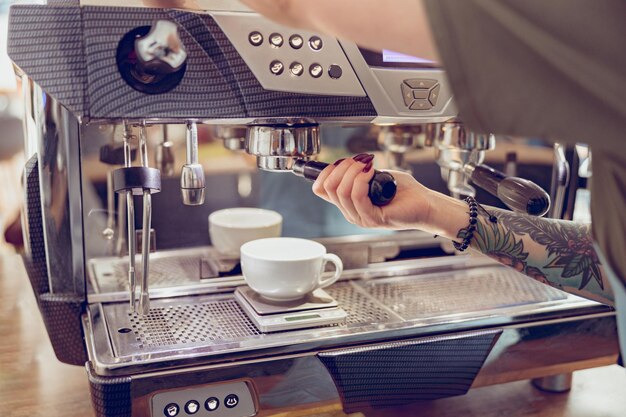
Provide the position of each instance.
(332, 183)
(344, 190)
(368, 213)
(318, 185)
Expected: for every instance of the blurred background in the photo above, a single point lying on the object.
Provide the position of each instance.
(11, 138)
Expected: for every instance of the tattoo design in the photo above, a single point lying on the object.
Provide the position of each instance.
(568, 245)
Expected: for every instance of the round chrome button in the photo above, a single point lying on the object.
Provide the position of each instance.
(276, 39)
(315, 42)
(277, 67)
(211, 404)
(335, 71)
(296, 68)
(316, 70)
(255, 38)
(171, 410)
(296, 41)
(192, 407)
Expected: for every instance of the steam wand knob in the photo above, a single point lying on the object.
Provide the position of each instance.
(383, 185)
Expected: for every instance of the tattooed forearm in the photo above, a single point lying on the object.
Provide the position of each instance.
(557, 252)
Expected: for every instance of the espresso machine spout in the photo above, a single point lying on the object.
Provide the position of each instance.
(192, 175)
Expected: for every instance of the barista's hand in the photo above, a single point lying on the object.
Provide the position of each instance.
(346, 185)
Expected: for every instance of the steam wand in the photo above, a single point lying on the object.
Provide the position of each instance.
(142, 181)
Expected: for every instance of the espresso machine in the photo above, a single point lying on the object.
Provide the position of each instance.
(157, 323)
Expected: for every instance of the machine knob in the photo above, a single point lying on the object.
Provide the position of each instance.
(161, 51)
(517, 193)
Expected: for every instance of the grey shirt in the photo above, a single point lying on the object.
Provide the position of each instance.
(552, 69)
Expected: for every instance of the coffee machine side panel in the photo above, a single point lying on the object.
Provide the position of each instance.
(44, 43)
(55, 132)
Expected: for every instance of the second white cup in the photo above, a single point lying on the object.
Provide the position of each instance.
(231, 228)
(286, 269)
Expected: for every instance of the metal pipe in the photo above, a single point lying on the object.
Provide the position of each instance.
(560, 181)
(144, 298)
(192, 143)
(130, 221)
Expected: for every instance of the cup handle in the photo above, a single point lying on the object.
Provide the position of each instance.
(330, 257)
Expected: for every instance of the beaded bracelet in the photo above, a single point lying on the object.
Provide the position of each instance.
(473, 219)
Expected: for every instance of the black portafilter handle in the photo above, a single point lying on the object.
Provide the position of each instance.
(517, 193)
(382, 185)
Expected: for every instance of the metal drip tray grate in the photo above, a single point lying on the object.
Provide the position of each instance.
(216, 324)
(460, 292)
(190, 324)
(167, 269)
(360, 307)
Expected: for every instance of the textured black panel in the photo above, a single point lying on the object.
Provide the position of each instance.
(110, 396)
(61, 315)
(60, 312)
(400, 373)
(203, 91)
(45, 43)
(81, 70)
(35, 260)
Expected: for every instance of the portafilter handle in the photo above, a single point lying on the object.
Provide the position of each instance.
(518, 194)
(383, 185)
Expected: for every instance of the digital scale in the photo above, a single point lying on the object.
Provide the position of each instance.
(315, 310)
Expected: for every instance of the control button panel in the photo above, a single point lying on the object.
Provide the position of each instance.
(285, 59)
(420, 94)
(216, 400)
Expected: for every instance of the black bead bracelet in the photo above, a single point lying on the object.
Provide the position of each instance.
(473, 219)
(469, 230)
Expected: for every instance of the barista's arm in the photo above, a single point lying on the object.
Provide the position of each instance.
(556, 252)
(406, 27)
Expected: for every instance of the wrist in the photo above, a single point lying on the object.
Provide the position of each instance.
(446, 215)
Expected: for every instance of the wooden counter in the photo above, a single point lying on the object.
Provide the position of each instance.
(34, 384)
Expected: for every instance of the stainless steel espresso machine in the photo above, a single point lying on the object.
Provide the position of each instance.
(156, 322)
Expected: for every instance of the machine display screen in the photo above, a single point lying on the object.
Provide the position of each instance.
(391, 59)
(397, 57)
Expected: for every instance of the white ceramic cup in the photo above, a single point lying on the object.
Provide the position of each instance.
(231, 228)
(285, 268)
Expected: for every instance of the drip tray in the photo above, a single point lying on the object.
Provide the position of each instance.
(167, 269)
(217, 325)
